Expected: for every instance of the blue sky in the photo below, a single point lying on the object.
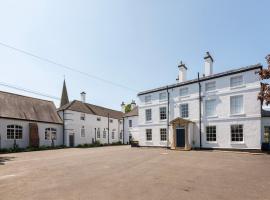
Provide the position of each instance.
(134, 43)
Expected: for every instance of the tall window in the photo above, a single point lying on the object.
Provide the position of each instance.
(184, 110)
(210, 86)
(163, 134)
(130, 123)
(121, 135)
(266, 137)
(148, 134)
(83, 116)
(236, 81)
(82, 131)
(113, 134)
(210, 107)
(104, 133)
(237, 133)
(50, 134)
(14, 132)
(211, 135)
(183, 91)
(162, 96)
(111, 120)
(98, 133)
(237, 106)
(162, 113)
(148, 114)
(147, 99)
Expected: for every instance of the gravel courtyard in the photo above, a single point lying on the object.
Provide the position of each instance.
(125, 173)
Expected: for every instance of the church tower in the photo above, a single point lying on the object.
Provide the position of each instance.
(64, 97)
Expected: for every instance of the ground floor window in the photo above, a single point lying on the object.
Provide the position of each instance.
(50, 134)
(163, 134)
(82, 131)
(14, 132)
(113, 134)
(211, 135)
(266, 137)
(121, 135)
(98, 133)
(237, 133)
(149, 134)
(104, 133)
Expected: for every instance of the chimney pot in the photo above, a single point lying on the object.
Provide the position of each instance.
(83, 95)
(182, 72)
(208, 64)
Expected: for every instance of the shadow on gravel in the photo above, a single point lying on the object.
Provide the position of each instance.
(5, 159)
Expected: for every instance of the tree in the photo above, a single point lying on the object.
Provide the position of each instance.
(264, 94)
(128, 108)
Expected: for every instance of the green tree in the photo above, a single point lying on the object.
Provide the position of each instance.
(264, 95)
(128, 108)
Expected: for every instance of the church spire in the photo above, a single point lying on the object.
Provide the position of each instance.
(64, 97)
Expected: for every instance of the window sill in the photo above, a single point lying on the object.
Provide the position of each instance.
(209, 142)
(238, 115)
(237, 143)
(211, 91)
(162, 120)
(148, 122)
(238, 87)
(147, 103)
(211, 117)
(183, 97)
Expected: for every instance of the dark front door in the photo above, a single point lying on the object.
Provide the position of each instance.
(180, 137)
(71, 140)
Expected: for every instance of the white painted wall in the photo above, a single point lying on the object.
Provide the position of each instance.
(133, 131)
(24, 142)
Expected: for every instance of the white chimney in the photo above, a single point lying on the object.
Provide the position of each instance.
(133, 104)
(182, 72)
(208, 64)
(83, 94)
(123, 106)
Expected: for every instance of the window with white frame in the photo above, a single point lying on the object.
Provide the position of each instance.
(162, 96)
(266, 136)
(210, 107)
(210, 86)
(113, 132)
(236, 81)
(237, 104)
(83, 116)
(162, 113)
(237, 133)
(14, 132)
(148, 114)
(130, 123)
(163, 134)
(50, 133)
(183, 92)
(184, 110)
(82, 131)
(211, 134)
(148, 134)
(121, 135)
(147, 99)
(98, 133)
(104, 133)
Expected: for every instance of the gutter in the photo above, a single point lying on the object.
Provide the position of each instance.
(200, 110)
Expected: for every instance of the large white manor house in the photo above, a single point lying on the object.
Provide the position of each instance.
(212, 111)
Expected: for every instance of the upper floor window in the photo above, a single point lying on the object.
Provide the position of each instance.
(210, 86)
(82, 131)
(162, 96)
(162, 113)
(14, 132)
(148, 134)
(236, 81)
(210, 107)
(183, 91)
(236, 106)
(211, 135)
(184, 110)
(148, 114)
(111, 120)
(98, 119)
(148, 99)
(82, 116)
(104, 133)
(237, 133)
(50, 134)
(130, 123)
(98, 133)
(163, 134)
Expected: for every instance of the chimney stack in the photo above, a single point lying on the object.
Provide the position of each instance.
(182, 72)
(208, 64)
(83, 95)
(123, 106)
(133, 104)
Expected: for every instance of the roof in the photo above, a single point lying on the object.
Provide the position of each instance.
(64, 97)
(218, 75)
(14, 106)
(133, 112)
(265, 113)
(92, 109)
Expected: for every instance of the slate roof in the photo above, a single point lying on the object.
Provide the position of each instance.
(218, 75)
(14, 106)
(92, 109)
(133, 112)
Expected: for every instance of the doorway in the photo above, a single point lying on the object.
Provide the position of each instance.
(180, 137)
(71, 140)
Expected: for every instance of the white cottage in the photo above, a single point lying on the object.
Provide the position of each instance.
(27, 121)
(213, 111)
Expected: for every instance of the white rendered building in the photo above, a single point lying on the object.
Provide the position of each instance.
(214, 111)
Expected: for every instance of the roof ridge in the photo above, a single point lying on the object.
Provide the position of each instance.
(103, 107)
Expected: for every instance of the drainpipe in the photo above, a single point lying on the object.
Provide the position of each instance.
(168, 116)
(63, 127)
(123, 133)
(108, 128)
(95, 135)
(200, 110)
